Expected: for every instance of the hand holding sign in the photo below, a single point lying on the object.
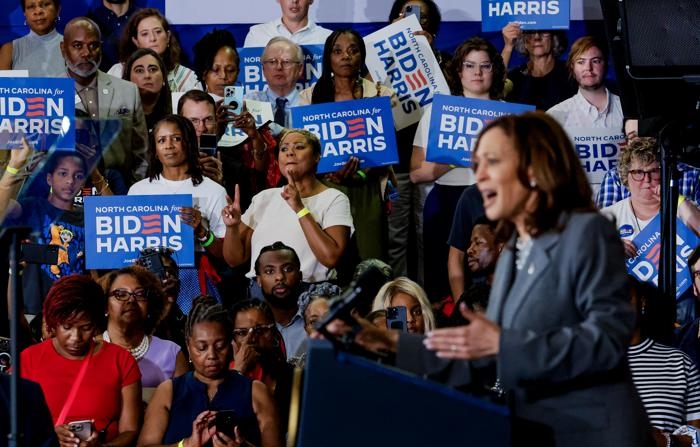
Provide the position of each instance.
(510, 33)
(348, 170)
(290, 192)
(231, 214)
(19, 157)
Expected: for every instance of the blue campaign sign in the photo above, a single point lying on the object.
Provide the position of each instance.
(362, 128)
(251, 71)
(645, 266)
(118, 227)
(541, 14)
(455, 124)
(597, 148)
(40, 109)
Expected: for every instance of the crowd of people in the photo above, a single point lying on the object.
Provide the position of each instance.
(508, 277)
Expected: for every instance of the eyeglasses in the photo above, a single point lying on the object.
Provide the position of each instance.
(124, 295)
(640, 174)
(257, 330)
(208, 121)
(471, 66)
(531, 33)
(285, 63)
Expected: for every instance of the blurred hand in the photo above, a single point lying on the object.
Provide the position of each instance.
(212, 167)
(290, 192)
(630, 248)
(348, 170)
(510, 33)
(480, 338)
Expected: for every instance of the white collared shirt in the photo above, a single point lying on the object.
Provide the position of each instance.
(578, 112)
(312, 34)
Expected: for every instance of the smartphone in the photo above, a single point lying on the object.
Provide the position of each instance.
(81, 429)
(412, 10)
(225, 421)
(233, 98)
(40, 253)
(154, 264)
(207, 144)
(396, 318)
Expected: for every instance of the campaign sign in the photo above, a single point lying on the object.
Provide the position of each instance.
(406, 63)
(598, 149)
(252, 71)
(455, 124)
(261, 111)
(118, 227)
(40, 109)
(539, 14)
(645, 266)
(362, 128)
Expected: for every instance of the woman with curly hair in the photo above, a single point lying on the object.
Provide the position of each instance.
(148, 28)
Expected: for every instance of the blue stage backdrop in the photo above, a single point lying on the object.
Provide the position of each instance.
(457, 25)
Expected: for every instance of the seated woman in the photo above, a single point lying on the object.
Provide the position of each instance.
(313, 305)
(183, 410)
(174, 168)
(259, 352)
(404, 292)
(147, 70)
(307, 215)
(148, 28)
(667, 379)
(105, 377)
(134, 306)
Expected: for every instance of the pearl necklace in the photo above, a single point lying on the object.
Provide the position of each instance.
(139, 351)
(523, 247)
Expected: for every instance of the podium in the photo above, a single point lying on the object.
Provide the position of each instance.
(349, 401)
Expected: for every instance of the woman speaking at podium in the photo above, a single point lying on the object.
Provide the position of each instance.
(554, 337)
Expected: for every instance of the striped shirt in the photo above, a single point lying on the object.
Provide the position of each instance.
(668, 383)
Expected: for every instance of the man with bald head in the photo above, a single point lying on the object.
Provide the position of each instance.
(104, 97)
(282, 64)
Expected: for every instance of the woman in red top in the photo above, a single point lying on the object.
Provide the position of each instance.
(109, 391)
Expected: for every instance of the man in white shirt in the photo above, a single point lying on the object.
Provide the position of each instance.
(294, 25)
(593, 105)
(282, 62)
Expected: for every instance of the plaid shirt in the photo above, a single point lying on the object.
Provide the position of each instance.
(612, 190)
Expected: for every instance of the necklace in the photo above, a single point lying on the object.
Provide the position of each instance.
(523, 247)
(138, 351)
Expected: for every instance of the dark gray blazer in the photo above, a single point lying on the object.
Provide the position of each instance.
(566, 321)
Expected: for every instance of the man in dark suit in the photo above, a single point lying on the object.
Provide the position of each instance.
(103, 96)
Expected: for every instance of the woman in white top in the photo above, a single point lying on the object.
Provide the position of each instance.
(477, 72)
(147, 28)
(306, 215)
(640, 171)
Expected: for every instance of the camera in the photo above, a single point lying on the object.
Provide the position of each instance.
(233, 98)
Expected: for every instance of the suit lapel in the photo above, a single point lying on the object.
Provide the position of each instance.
(502, 279)
(105, 94)
(534, 268)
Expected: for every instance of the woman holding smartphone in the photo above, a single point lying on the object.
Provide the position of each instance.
(92, 388)
(184, 410)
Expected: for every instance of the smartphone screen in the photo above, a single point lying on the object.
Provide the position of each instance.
(396, 318)
(207, 144)
(233, 98)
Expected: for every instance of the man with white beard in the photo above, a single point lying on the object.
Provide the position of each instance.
(104, 97)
